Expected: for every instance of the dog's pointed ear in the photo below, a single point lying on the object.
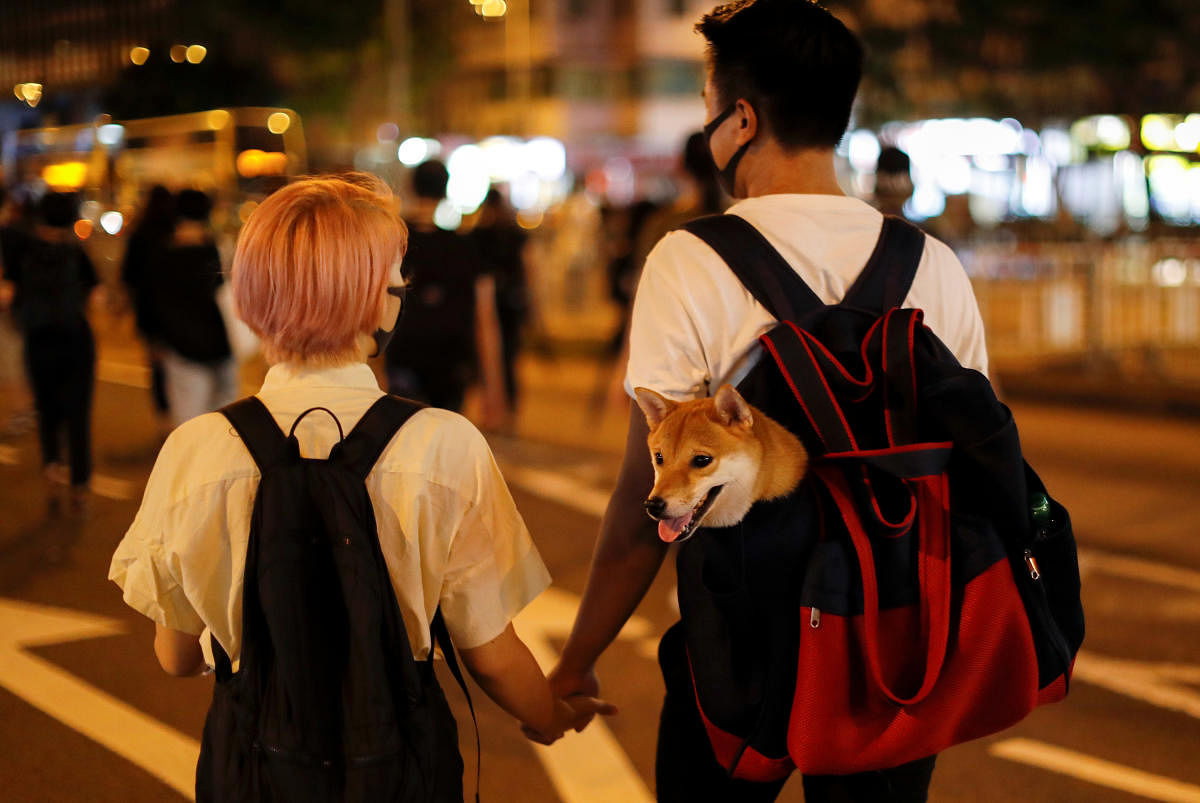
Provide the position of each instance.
(654, 406)
(732, 408)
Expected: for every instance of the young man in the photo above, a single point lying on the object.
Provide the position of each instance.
(781, 80)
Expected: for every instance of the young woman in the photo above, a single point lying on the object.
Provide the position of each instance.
(311, 276)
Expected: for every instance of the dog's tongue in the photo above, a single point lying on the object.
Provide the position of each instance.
(670, 529)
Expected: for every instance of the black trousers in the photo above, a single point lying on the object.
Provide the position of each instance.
(686, 771)
(62, 373)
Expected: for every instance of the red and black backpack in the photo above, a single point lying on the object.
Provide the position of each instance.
(920, 588)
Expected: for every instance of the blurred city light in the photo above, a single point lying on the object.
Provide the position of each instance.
(112, 222)
(178, 53)
(218, 119)
(1170, 272)
(1158, 132)
(415, 150)
(138, 55)
(863, 150)
(246, 210)
(279, 122)
(447, 216)
(83, 228)
(469, 180)
(387, 132)
(254, 162)
(29, 92)
(493, 8)
(1187, 133)
(65, 175)
(110, 134)
(90, 210)
(195, 53)
(547, 157)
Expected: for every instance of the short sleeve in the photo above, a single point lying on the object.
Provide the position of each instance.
(493, 569)
(666, 352)
(951, 311)
(143, 565)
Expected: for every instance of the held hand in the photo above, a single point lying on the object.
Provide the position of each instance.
(566, 683)
(572, 713)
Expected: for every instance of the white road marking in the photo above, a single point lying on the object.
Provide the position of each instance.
(558, 487)
(113, 488)
(123, 373)
(160, 750)
(1095, 770)
(587, 767)
(1141, 569)
(1159, 684)
(100, 484)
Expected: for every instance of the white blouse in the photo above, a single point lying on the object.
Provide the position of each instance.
(448, 528)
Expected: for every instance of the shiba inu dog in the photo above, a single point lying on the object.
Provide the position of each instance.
(713, 459)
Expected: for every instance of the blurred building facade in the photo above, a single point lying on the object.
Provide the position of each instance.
(582, 71)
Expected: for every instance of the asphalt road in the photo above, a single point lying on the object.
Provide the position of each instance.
(86, 715)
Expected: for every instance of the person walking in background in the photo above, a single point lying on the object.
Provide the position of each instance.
(53, 281)
(893, 181)
(501, 243)
(17, 415)
(142, 253)
(781, 80)
(449, 336)
(317, 276)
(200, 372)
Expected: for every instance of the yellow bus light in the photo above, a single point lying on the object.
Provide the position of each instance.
(66, 175)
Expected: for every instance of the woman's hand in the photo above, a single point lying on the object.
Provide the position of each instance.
(571, 713)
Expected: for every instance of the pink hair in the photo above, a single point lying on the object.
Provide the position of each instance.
(312, 264)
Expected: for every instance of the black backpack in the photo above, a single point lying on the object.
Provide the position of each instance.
(328, 703)
(771, 607)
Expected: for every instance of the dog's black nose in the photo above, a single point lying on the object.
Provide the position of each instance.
(656, 506)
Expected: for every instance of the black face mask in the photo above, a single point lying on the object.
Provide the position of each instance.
(726, 174)
(384, 336)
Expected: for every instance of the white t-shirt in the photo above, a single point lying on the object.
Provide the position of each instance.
(448, 528)
(695, 327)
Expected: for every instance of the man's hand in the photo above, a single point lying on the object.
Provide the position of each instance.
(574, 713)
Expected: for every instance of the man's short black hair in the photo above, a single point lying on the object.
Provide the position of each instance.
(193, 205)
(796, 63)
(58, 210)
(429, 179)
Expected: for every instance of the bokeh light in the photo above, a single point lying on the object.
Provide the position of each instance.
(279, 122)
(138, 55)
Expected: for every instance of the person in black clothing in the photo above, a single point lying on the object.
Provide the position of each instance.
(502, 245)
(201, 374)
(449, 334)
(53, 280)
(146, 242)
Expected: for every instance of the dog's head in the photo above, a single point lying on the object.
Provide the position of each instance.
(706, 458)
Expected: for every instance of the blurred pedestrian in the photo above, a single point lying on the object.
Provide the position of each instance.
(16, 404)
(182, 284)
(501, 243)
(147, 240)
(893, 181)
(53, 282)
(449, 336)
(317, 275)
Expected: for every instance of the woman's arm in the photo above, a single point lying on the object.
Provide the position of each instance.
(508, 673)
(178, 653)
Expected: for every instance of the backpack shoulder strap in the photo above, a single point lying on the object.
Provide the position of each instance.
(371, 435)
(440, 636)
(756, 263)
(888, 275)
(258, 430)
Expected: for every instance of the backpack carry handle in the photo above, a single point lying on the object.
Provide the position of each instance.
(933, 570)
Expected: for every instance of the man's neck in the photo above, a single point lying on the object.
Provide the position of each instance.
(769, 170)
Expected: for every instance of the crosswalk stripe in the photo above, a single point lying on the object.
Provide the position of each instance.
(1095, 770)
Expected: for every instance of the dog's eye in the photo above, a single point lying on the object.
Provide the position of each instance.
(658, 460)
(701, 460)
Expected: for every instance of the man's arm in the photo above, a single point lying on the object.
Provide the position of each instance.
(178, 653)
(627, 558)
